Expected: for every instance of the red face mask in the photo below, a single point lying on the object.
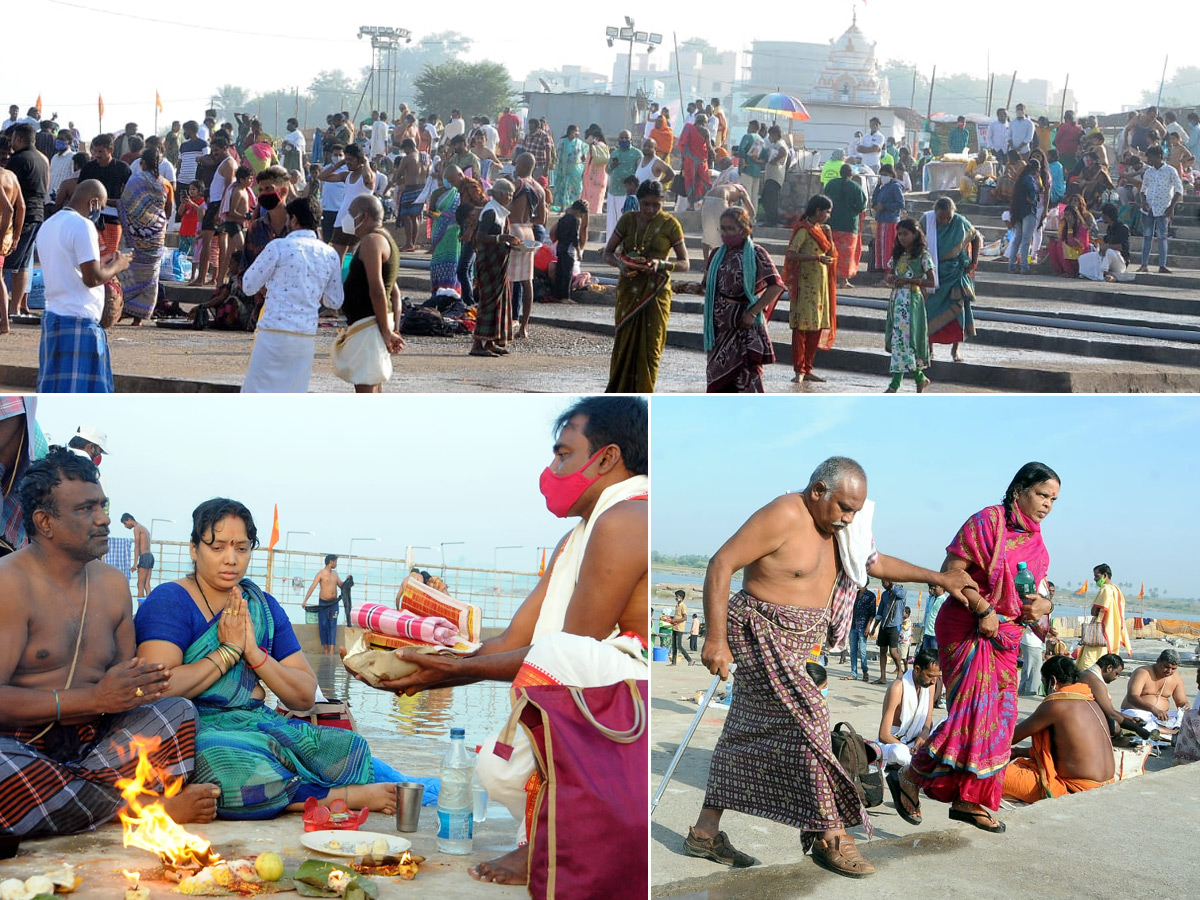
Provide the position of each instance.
(563, 491)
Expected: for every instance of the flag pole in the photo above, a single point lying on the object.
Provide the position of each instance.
(1011, 85)
(1063, 109)
(1162, 82)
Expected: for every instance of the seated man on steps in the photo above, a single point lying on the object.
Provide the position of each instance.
(908, 710)
(1098, 677)
(585, 622)
(1151, 690)
(72, 695)
(1071, 749)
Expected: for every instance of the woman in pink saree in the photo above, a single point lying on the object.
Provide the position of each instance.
(978, 644)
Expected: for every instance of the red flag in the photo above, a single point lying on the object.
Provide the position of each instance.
(274, 530)
(1082, 590)
(157, 101)
(39, 105)
(101, 99)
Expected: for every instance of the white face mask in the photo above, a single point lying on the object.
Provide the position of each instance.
(884, 179)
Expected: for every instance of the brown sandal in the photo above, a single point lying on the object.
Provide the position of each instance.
(841, 857)
(718, 849)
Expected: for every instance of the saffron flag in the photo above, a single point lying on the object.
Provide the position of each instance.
(274, 530)
(39, 105)
(101, 104)
(157, 101)
(1082, 590)
(542, 566)
(1142, 592)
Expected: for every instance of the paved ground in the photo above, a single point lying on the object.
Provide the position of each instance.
(1088, 845)
(99, 856)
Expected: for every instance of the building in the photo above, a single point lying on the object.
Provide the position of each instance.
(850, 74)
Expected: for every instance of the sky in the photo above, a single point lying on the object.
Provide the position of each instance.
(1129, 494)
(95, 51)
(409, 470)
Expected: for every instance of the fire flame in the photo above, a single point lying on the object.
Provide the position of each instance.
(145, 821)
(133, 877)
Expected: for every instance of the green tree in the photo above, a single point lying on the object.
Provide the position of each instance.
(710, 53)
(230, 98)
(478, 89)
(1181, 89)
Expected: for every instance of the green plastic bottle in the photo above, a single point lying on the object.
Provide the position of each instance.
(1026, 586)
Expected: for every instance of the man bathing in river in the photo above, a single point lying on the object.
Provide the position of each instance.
(72, 695)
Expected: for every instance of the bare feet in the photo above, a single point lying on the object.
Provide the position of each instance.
(195, 804)
(523, 332)
(511, 868)
(379, 798)
(798, 378)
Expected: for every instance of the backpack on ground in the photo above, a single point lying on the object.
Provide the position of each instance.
(860, 761)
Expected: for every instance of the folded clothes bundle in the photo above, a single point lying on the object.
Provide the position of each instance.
(402, 623)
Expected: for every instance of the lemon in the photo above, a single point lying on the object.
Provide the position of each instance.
(269, 866)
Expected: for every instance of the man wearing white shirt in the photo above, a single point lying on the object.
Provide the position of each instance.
(870, 147)
(456, 125)
(431, 129)
(14, 114)
(998, 136)
(62, 163)
(380, 131)
(652, 115)
(295, 146)
(300, 272)
(1020, 132)
(491, 137)
(73, 353)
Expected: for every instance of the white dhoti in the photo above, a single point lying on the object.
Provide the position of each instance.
(896, 754)
(1174, 720)
(561, 658)
(1093, 266)
(280, 362)
(359, 354)
(613, 207)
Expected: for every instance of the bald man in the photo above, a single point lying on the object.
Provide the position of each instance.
(361, 353)
(73, 355)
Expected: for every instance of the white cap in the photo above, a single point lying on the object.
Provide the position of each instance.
(93, 435)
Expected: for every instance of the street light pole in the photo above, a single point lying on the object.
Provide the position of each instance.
(627, 33)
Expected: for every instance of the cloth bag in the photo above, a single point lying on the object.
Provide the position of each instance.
(1093, 634)
(591, 747)
(331, 713)
(359, 354)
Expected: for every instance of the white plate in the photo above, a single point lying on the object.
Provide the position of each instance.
(319, 841)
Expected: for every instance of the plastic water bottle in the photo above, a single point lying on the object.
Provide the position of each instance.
(456, 823)
(478, 793)
(1024, 581)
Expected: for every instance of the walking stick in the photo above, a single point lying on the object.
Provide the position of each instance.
(712, 689)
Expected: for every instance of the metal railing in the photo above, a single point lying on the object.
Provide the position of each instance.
(496, 592)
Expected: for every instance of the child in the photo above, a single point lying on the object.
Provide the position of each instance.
(235, 215)
(906, 638)
(193, 212)
(631, 201)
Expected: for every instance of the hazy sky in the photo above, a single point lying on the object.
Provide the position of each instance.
(1129, 492)
(408, 470)
(70, 51)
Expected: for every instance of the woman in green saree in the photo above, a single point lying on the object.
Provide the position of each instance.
(645, 239)
(224, 640)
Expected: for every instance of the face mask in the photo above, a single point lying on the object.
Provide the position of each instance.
(563, 491)
(884, 179)
(60, 146)
(95, 215)
(447, 185)
(268, 201)
(96, 459)
(1100, 581)
(624, 145)
(732, 240)
(824, 692)
(336, 159)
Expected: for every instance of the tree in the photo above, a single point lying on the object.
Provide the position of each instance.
(1182, 89)
(230, 98)
(477, 89)
(710, 54)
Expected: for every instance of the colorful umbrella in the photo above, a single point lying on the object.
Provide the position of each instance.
(778, 103)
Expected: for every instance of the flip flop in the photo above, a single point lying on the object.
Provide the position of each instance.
(978, 818)
(898, 797)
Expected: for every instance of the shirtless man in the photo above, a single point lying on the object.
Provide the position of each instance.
(410, 177)
(595, 586)
(1071, 750)
(1098, 677)
(235, 218)
(12, 220)
(1151, 688)
(527, 210)
(798, 590)
(70, 705)
(908, 705)
(143, 559)
(327, 597)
